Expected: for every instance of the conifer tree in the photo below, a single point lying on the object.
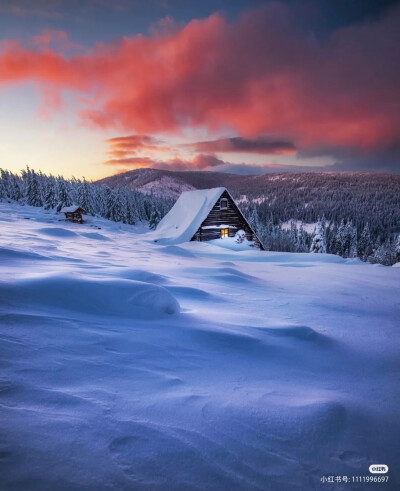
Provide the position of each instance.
(84, 197)
(63, 196)
(50, 193)
(364, 244)
(318, 243)
(397, 249)
(301, 245)
(155, 218)
(32, 188)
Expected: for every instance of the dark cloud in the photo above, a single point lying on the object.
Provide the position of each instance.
(238, 144)
(255, 169)
(382, 159)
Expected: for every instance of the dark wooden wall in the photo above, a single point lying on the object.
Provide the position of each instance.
(229, 216)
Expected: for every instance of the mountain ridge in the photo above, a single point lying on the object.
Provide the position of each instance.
(172, 183)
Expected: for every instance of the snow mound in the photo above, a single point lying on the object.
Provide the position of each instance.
(296, 332)
(177, 251)
(231, 243)
(192, 293)
(142, 275)
(57, 232)
(95, 236)
(111, 297)
(7, 254)
(226, 274)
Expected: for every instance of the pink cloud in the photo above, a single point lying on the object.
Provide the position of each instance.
(199, 162)
(258, 75)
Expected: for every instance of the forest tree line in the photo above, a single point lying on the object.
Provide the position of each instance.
(370, 236)
(49, 192)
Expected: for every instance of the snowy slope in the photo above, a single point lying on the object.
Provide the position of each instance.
(130, 365)
(158, 182)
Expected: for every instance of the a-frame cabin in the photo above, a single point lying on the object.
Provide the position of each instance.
(203, 215)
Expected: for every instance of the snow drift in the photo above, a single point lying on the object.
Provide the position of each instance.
(74, 293)
(125, 365)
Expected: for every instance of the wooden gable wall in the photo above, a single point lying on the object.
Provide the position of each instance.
(231, 216)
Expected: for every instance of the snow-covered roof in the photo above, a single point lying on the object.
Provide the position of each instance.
(183, 220)
(70, 209)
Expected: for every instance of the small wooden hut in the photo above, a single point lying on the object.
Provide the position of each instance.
(203, 215)
(73, 213)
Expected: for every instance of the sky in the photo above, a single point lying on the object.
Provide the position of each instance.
(91, 88)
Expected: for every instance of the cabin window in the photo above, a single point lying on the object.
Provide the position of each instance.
(224, 233)
(224, 204)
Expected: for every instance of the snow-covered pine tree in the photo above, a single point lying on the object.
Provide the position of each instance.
(385, 254)
(351, 239)
(10, 186)
(5, 184)
(63, 195)
(139, 207)
(50, 193)
(130, 210)
(155, 218)
(32, 188)
(318, 243)
(340, 240)
(15, 188)
(254, 220)
(84, 196)
(397, 249)
(293, 236)
(364, 244)
(115, 206)
(331, 232)
(106, 202)
(301, 245)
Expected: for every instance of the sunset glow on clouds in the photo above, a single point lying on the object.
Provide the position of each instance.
(262, 79)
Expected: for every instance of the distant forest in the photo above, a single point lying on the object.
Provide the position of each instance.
(358, 215)
(355, 215)
(361, 198)
(49, 192)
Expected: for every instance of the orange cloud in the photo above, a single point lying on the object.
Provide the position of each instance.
(258, 75)
(125, 146)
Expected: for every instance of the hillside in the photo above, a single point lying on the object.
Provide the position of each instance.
(360, 197)
(165, 182)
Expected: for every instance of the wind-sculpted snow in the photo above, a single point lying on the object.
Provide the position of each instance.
(141, 275)
(128, 365)
(9, 254)
(95, 236)
(57, 232)
(104, 297)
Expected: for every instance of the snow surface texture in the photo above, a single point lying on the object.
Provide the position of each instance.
(131, 365)
(183, 220)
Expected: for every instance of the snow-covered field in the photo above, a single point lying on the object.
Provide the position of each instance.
(130, 365)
